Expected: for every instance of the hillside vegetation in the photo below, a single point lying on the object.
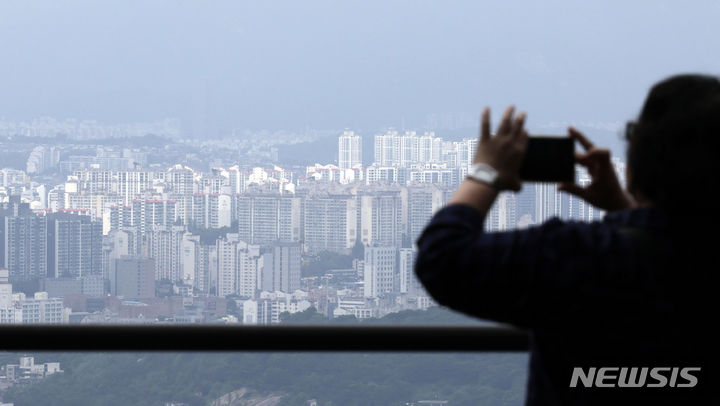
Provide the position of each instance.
(336, 379)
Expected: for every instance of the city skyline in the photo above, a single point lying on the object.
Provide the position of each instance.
(245, 233)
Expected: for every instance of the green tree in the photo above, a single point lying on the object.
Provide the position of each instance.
(308, 316)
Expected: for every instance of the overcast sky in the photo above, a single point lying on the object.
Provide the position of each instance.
(334, 64)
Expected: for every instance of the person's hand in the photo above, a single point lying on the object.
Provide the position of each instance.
(503, 152)
(604, 190)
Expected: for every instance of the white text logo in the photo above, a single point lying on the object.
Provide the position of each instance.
(634, 377)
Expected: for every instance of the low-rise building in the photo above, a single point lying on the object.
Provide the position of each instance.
(28, 371)
(268, 307)
(16, 308)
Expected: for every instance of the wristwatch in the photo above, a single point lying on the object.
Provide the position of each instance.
(483, 173)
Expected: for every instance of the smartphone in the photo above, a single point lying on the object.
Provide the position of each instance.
(549, 159)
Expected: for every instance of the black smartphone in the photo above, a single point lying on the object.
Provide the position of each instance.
(549, 159)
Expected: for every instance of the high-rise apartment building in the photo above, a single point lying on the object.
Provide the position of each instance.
(180, 180)
(164, 246)
(409, 283)
(120, 217)
(152, 212)
(387, 148)
(349, 150)
(74, 245)
(92, 205)
(429, 148)
(23, 243)
(227, 264)
(133, 277)
(331, 222)
(409, 149)
(381, 216)
(238, 179)
(130, 184)
(422, 202)
(217, 182)
(267, 218)
(96, 180)
(116, 244)
(379, 269)
(211, 210)
(393, 149)
(249, 266)
(199, 264)
(280, 269)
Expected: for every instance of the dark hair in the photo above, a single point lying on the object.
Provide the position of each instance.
(673, 153)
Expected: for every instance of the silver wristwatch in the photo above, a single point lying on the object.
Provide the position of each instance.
(483, 173)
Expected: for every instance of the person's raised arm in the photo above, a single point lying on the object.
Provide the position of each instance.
(526, 276)
(461, 266)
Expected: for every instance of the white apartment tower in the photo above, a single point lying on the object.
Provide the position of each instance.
(349, 150)
(393, 149)
(429, 148)
(387, 148)
(238, 180)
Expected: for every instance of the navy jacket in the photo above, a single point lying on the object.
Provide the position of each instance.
(601, 294)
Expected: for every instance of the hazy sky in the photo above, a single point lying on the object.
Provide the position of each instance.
(333, 64)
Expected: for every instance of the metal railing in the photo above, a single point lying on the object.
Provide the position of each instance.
(262, 338)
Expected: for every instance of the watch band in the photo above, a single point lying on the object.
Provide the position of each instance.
(483, 173)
